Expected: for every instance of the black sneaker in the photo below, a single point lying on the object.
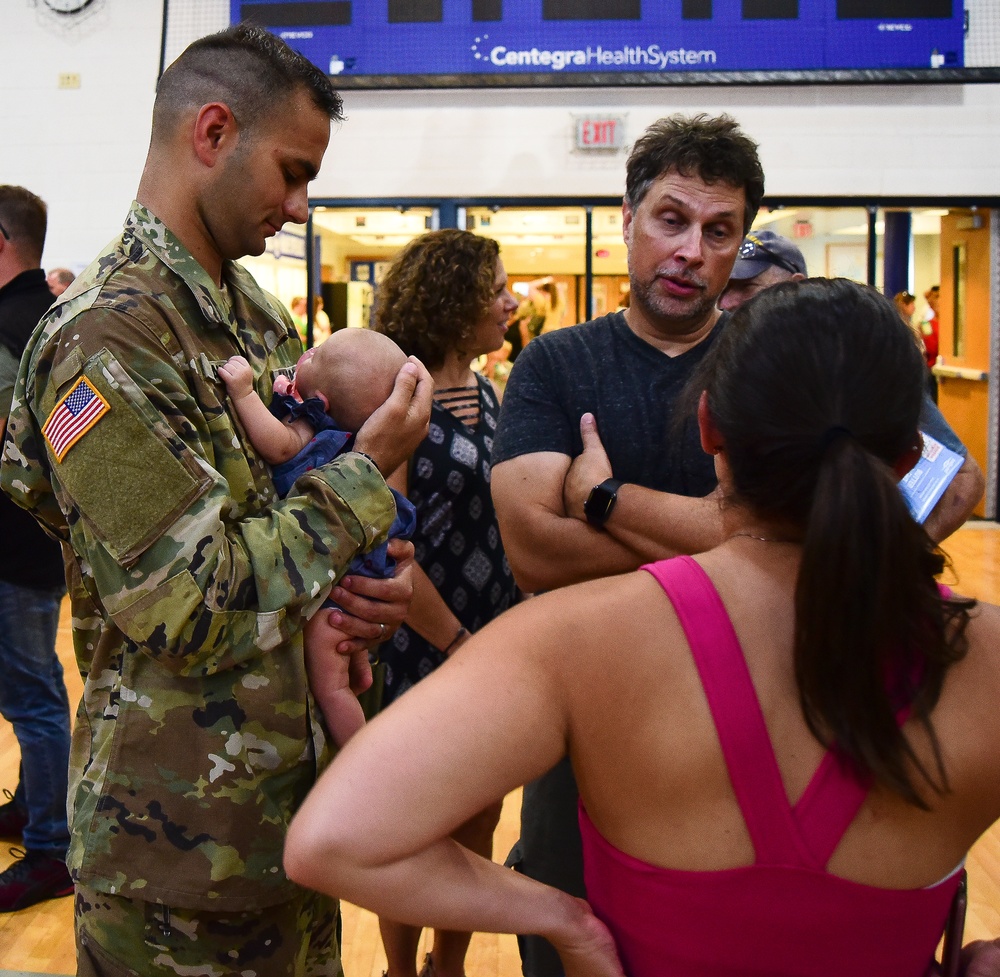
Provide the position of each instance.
(34, 877)
(13, 817)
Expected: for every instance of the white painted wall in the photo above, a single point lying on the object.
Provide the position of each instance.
(82, 150)
(825, 140)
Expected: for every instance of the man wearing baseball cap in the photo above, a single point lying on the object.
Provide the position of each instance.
(764, 259)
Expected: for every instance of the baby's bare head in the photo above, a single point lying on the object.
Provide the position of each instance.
(355, 370)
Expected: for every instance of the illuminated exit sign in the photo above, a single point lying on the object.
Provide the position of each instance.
(600, 132)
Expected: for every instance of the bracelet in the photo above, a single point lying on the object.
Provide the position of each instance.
(368, 458)
(459, 634)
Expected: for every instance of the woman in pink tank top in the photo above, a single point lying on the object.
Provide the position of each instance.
(785, 747)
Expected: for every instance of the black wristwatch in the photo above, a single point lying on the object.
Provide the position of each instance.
(601, 501)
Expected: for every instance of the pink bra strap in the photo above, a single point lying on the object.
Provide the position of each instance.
(827, 807)
(746, 746)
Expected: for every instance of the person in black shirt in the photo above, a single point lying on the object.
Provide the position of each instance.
(32, 694)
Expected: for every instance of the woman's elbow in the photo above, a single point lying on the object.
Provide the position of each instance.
(312, 858)
(299, 858)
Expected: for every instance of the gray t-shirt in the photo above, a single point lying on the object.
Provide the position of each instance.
(632, 389)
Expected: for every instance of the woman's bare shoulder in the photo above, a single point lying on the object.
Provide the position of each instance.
(583, 627)
(983, 636)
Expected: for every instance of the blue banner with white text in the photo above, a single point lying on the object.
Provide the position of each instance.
(560, 38)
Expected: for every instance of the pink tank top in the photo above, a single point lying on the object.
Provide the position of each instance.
(783, 916)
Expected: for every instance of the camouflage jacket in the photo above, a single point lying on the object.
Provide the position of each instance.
(196, 738)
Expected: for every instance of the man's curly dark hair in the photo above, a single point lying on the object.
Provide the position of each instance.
(714, 149)
(436, 292)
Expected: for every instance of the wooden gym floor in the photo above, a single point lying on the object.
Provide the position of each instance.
(39, 940)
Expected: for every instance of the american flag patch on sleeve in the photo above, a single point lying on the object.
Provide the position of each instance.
(73, 417)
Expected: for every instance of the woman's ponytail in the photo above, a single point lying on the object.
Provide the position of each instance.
(869, 629)
(816, 389)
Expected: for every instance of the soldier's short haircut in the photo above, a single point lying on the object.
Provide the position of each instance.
(713, 148)
(25, 219)
(247, 68)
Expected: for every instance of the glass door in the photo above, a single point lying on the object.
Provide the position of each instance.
(353, 246)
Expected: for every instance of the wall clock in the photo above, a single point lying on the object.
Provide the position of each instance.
(68, 7)
(66, 15)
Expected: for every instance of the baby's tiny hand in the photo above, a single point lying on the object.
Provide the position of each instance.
(237, 374)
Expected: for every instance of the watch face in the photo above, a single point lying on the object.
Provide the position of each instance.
(67, 6)
(601, 501)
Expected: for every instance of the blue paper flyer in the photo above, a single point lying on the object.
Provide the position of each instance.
(925, 483)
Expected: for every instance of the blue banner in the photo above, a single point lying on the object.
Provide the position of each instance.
(564, 37)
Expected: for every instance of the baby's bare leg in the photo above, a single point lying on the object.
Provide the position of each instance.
(331, 679)
(359, 671)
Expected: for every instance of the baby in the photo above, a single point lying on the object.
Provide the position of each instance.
(338, 385)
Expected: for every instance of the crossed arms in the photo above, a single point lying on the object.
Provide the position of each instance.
(539, 501)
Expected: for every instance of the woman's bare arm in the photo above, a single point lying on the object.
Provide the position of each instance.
(459, 740)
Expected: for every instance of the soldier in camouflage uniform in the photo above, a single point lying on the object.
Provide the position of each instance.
(196, 739)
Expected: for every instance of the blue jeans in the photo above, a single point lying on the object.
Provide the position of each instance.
(33, 700)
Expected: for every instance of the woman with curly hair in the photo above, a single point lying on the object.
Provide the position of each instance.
(445, 300)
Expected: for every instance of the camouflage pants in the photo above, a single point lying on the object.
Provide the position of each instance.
(118, 937)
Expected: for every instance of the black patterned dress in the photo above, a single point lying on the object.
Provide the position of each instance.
(457, 539)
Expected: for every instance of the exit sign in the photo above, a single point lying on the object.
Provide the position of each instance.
(600, 132)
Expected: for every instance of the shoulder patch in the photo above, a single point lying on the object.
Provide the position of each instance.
(73, 416)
